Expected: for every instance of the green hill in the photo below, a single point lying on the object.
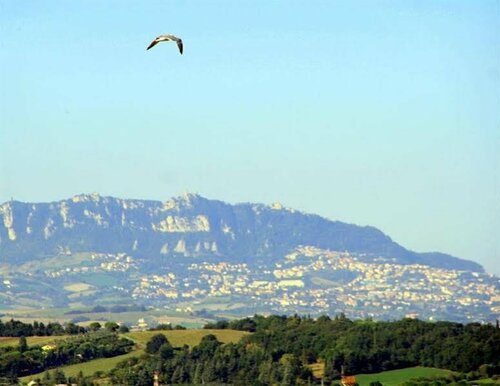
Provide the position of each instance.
(396, 377)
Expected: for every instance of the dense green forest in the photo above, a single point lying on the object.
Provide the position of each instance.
(281, 348)
(366, 346)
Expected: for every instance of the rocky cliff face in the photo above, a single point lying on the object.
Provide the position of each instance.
(188, 226)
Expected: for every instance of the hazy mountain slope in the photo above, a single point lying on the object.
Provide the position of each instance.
(188, 226)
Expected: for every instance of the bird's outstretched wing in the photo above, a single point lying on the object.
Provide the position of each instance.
(153, 43)
(179, 44)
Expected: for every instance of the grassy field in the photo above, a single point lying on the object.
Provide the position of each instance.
(487, 381)
(387, 378)
(177, 338)
(32, 340)
(396, 377)
(56, 262)
(91, 367)
(98, 279)
(77, 287)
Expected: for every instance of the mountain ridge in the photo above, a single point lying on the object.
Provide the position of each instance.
(190, 226)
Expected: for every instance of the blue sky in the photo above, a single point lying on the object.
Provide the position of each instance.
(371, 112)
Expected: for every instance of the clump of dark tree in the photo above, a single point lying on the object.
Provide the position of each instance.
(281, 348)
(21, 360)
(245, 324)
(16, 328)
(167, 327)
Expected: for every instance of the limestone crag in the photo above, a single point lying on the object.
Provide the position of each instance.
(188, 226)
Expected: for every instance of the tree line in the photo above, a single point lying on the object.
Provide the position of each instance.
(16, 328)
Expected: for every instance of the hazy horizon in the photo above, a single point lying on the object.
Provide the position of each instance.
(379, 114)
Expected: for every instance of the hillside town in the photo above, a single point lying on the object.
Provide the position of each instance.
(306, 281)
(314, 281)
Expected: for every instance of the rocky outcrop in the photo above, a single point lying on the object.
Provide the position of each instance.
(189, 226)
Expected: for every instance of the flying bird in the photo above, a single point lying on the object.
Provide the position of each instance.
(166, 38)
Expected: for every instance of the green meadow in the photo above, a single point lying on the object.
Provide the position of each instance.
(90, 367)
(396, 377)
(31, 340)
(178, 338)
